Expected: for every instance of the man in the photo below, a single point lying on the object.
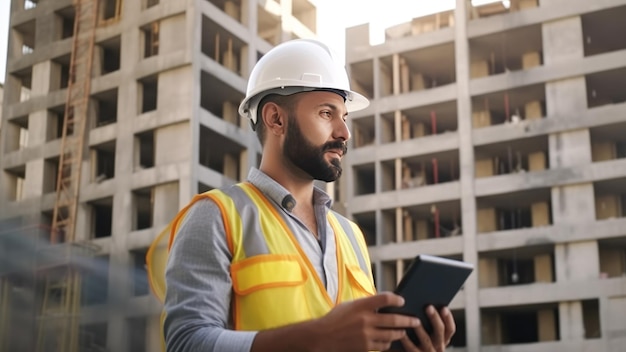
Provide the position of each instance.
(266, 265)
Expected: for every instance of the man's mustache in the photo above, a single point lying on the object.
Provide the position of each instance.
(343, 146)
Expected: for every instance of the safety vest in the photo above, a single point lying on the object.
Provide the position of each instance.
(274, 282)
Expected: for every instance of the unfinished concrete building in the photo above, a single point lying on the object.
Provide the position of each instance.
(158, 104)
(497, 135)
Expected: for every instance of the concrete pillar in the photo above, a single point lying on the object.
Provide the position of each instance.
(563, 42)
(172, 144)
(170, 39)
(33, 183)
(488, 272)
(165, 204)
(154, 333)
(466, 166)
(546, 326)
(40, 83)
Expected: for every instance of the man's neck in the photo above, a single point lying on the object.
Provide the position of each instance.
(301, 188)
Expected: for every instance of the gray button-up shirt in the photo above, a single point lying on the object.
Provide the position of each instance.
(199, 285)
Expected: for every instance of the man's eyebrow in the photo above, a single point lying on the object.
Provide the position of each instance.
(332, 107)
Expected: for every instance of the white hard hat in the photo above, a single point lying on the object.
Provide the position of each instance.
(295, 66)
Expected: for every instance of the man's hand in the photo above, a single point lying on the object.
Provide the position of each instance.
(443, 329)
(355, 326)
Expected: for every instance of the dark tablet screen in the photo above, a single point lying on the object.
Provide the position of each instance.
(429, 280)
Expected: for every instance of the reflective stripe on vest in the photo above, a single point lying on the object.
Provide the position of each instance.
(274, 282)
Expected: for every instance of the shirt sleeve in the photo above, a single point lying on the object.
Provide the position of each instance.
(199, 286)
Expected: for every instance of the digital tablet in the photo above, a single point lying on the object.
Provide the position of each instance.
(428, 280)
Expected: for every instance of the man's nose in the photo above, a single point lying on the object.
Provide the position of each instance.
(342, 131)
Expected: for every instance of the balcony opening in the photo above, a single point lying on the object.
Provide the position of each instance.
(612, 254)
(367, 224)
(512, 106)
(481, 8)
(143, 208)
(65, 22)
(420, 171)
(607, 142)
(423, 121)
(110, 55)
(605, 88)
(30, 4)
(232, 8)
(504, 52)
(110, 10)
(223, 47)
(517, 266)
(102, 217)
(150, 39)
(139, 273)
(95, 282)
(363, 132)
(23, 85)
(144, 150)
(305, 12)
(15, 177)
(17, 134)
(54, 124)
(60, 72)
(220, 99)
(220, 154)
(24, 38)
(610, 198)
(520, 324)
(137, 329)
(517, 156)
(268, 24)
(364, 179)
(422, 222)
(50, 175)
(150, 3)
(202, 187)
(148, 96)
(421, 25)
(591, 319)
(103, 162)
(459, 339)
(362, 78)
(599, 29)
(418, 70)
(390, 276)
(105, 107)
(92, 337)
(516, 210)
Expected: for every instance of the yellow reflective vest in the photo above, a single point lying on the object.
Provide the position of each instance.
(277, 285)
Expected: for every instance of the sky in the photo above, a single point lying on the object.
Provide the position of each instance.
(333, 17)
(4, 35)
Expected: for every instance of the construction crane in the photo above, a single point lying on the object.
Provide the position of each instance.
(58, 321)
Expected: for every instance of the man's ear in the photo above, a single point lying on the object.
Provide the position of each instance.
(274, 118)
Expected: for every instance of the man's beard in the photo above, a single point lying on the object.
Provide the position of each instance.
(309, 158)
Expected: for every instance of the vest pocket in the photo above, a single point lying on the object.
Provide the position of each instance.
(360, 282)
(269, 292)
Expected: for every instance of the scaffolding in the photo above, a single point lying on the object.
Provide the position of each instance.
(58, 321)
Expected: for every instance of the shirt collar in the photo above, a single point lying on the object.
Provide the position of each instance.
(281, 196)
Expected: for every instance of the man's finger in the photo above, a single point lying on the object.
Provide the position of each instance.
(425, 343)
(437, 336)
(448, 320)
(384, 299)
(391, 321)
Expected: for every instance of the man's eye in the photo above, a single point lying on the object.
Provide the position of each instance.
(327, 114)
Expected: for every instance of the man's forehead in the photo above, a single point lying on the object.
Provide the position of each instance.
(327, 98)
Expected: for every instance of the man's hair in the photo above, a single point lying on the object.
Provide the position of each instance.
(287, 102)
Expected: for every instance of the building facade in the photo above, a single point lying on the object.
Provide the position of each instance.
(162, 125)
(497, 135)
